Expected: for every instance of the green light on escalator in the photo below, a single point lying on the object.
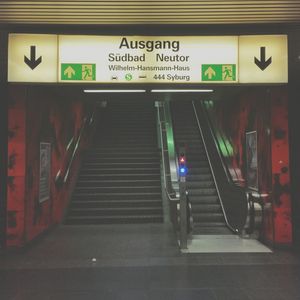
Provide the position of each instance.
(226, 148)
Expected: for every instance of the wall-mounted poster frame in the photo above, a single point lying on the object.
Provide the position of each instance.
(45, 171)
(251, 159)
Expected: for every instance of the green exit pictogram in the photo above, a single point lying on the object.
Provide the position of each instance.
(82, 72)
(226, 72)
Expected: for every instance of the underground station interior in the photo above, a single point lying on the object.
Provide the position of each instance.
(149, 150)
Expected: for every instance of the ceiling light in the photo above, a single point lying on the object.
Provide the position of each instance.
(114, 91)
(183, 91)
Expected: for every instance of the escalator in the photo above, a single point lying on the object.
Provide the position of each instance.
(119, 181)
(206, 209)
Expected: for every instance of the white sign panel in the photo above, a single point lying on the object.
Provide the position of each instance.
(263, 59)
(148, 59)
(32, 58)
(144, 59)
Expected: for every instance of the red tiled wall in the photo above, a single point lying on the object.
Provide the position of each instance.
(37, 117)
(16, 168)
(280, 168)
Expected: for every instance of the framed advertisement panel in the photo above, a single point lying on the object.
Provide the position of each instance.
(251, 160)
(45, 171)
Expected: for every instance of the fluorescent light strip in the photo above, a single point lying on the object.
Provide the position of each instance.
(182, 91)
(114, 91)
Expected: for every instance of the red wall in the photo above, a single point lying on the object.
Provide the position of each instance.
(16, 168)
(280, 168)
(265, 111)
(34, 117)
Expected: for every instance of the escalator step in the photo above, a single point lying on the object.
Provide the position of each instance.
(211, 230)
(200, 177)
(208, 218)
(205, 199)
(202, 192)
(206, 209)
(200, 184)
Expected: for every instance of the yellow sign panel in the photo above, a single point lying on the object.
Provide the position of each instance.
(147, 59)
(263, 59)
(32, 58)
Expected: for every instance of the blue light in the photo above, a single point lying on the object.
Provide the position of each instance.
(182, 171)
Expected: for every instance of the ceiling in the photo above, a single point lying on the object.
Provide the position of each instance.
(96, 12)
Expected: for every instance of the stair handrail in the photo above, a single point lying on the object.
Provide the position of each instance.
(212, 170)
(87, 120)
(161, 131)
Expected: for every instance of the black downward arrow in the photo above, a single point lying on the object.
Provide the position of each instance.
(263, 63)
(32, 62)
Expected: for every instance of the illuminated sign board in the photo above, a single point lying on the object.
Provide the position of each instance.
(147, 59)
(32, 58)
(263, 59)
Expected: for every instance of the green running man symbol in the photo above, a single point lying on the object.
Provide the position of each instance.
(227, 72)
(87, 72)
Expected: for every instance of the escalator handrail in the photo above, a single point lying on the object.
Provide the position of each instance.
(170, 197)
(173, 161)
(212, 170)
(225, 167)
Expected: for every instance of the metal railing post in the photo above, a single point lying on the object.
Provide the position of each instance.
(183, 197)
(183, 212)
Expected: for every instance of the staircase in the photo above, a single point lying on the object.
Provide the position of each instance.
(206, 210)
(119, 181)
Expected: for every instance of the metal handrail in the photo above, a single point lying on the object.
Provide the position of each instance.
(229, 178)
(212, 170)
(163, 157)
(67, 173)
(218, 150)
(173, 161)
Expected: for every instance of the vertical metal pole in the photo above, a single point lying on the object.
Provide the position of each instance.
(183, 198)
(3, 137)
(183, 213)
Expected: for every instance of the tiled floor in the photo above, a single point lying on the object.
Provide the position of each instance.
(224, 244)
(141, 262)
